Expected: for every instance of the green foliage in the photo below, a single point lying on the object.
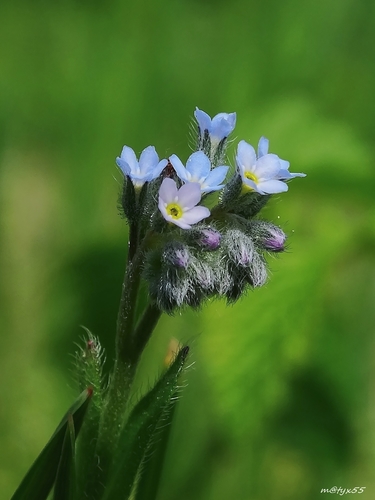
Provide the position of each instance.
(65, 478)
(141, 431)
(55, 461)
(152, 468)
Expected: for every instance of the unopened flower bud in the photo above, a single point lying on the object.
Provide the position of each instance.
(210, 239)
(276, 240)
(239, 246)
(176, 254)
(202, 275)
(267, 236)
(257, 275)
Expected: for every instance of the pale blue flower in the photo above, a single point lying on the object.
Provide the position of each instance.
(219, 127)
(198, 169)
(178, 206)
(146, 169)
(284, 173)
(259, 174)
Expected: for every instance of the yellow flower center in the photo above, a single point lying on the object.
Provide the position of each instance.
(251, 177)
(174, 210)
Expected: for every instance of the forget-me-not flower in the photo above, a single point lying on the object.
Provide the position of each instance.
(219, 127)
(198, 169)
(178, 206)
(145, 170)
(259, 174)
(284, 173)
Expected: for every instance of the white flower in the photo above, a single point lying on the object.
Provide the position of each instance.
(178, 206)
(145, 170)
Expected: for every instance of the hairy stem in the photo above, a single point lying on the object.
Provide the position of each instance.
(130, 342)
(133, 241)
(144, 329)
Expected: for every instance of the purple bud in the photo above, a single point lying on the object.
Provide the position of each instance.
(244, 256)
(181, 258)
(275, 241)
(240, 248)
(176, 255)
(210, 239)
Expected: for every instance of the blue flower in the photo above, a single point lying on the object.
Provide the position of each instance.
(219, 127)
(284, 173)
(145, 170)
(259, 174)
(198, 169)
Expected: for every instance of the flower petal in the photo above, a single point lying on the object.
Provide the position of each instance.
(249, 183)
(179, 222)
(189, 195)
(179, 167)
(128, 155)
(286, 175)
(246, 157)
(198, 166)
(263, 146)
(156, 171)
(284, 165)
(148, 160)
(195, 214)
(222, 125)
(126, 170)
(215, 178)
(162, 207)
(168, 191)
(272, 186)
(203, 119)
(229, 117)
(267, 167)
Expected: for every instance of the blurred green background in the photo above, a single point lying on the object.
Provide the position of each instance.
(280, 401)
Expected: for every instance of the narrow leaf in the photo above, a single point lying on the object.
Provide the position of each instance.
(139, 432)
(65, 478)
(39, 480)
(89, 365)
(149, 479)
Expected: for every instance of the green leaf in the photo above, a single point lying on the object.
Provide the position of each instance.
(65, 478)
(149, 479)
(39, 480)
(141, 429)
(89, 366)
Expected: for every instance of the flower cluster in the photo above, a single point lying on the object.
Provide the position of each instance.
(193, 252)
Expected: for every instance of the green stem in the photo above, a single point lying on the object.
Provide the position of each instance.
(133, 241)
(144, 329)
(128, 351)
(110, 426)
(125, 318)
